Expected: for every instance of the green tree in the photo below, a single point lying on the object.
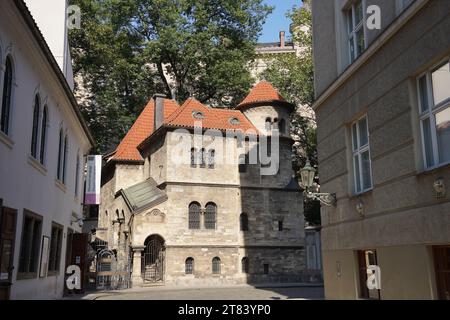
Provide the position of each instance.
(128, 49)
(292, 74)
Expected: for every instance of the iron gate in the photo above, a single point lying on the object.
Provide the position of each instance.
(153, 260)
(110, 275)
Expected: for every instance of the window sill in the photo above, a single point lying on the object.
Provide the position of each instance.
(52, 273)
(434, 170)
(6, 140)
(26, 276)
(37, 165)
(61, 185)
(361, 194)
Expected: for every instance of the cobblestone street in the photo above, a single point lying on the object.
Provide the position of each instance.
(222, 293)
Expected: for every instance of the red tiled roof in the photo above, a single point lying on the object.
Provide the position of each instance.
(262, 92)
(213, 118)
(176, 116)
(141, 129)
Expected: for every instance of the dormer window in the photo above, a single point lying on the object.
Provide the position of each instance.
(198, 115)
(234, 121)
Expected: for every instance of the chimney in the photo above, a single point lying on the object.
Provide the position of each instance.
(282, 39)
(158, 100)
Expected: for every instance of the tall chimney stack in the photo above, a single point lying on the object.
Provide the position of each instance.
(158, 100)
(282, 39)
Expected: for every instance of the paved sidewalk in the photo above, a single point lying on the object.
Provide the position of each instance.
(297, 291)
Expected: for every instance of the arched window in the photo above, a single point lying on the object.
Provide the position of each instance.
(194, 215)
(189, 266)
(77, 174)
(244, 265)
(35, 131)
(211, 158)
(193, 157)
(282, 126)
(268, 124)
(275, 124)
(65, 155)
(60, 155)
(216, 265)
(202, 158)
(244, 222)
(210, 216)
(44, 124)
(7, 95)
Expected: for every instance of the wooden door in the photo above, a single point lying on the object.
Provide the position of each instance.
(80, 244)
(442, 270)
(8, 219)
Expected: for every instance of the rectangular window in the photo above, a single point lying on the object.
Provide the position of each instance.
(434, 110)
(356, 29)
(55, 248)
(362, 166)
(266, 268)
(30, 245)
(280, 225)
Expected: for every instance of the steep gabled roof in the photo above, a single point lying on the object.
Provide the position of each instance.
(263, 92)
(141, 129)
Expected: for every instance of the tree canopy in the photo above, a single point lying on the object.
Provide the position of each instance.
(127, 50)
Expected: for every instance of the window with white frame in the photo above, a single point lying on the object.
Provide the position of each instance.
(434, 110)
(356, 29)
(362, 167)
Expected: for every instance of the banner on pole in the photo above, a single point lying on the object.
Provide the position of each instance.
(93, 179)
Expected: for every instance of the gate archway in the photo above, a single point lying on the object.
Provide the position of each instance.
(153, 259)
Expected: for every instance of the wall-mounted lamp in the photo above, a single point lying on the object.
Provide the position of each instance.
(439, 188)
(307, 174)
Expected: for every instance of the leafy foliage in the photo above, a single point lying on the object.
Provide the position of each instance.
(293, 76)
(127, 50)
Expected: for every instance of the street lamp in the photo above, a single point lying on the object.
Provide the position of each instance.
(307, 174)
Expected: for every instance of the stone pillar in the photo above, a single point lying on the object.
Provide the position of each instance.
(136, 275)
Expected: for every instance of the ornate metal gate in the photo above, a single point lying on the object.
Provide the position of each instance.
(153, 260)
(110, 274)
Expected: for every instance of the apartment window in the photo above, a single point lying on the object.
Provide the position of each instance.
(211, 159)
(244, 265)
(30, 245)
(216, 265)
(210, 216)
(362, 167)
(356, 32)
(7, 96)
(189, 266)
(434, 109)
(55, 248)
(194, 215)
(35, 129)
(44, 124)
(244, 222)
(64, 164)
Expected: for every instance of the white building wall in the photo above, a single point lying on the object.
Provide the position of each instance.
(24, 184)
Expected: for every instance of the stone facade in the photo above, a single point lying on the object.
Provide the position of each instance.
(266, 200)
(400, 218)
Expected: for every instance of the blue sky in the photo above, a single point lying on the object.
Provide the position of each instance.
(277, 20)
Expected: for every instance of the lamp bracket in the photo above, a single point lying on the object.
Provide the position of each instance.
(328, 199)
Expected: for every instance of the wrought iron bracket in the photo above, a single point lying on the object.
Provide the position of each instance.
(328, 199)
